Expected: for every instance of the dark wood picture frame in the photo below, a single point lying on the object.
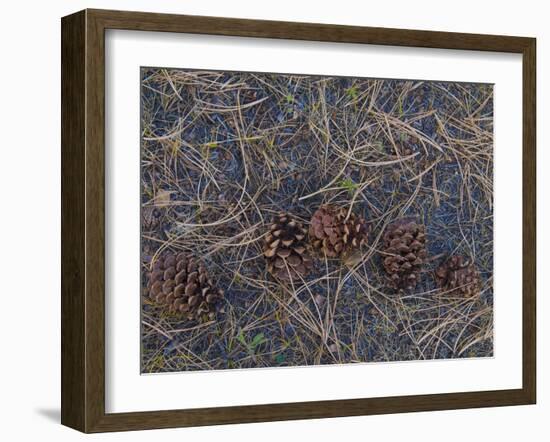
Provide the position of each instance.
(83, 216)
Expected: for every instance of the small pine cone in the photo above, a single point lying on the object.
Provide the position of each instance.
(285, 249)
(458, 276)
(333, 234)
(180, 282)
(405, 252)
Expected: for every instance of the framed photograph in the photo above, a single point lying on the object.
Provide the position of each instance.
(266, 221)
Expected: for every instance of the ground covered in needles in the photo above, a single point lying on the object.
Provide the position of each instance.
(223, 153)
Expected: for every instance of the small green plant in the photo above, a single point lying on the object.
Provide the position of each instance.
(379, 146)
(206, 147)
(352, 92)
(400, 106)
(256, 341)
(349, 185)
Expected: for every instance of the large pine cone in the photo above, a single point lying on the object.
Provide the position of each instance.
(180, 282)
(405, 252)
(285, 249)
(458, 276)
(333, 234)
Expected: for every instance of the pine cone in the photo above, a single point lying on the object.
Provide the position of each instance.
(333, 234)
(458, 276)
(180, 282)
(285, 249)
(405, 251)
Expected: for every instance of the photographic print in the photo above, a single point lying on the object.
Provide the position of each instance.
(298, 220)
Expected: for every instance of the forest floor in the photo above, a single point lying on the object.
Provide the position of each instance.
(223, 152)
